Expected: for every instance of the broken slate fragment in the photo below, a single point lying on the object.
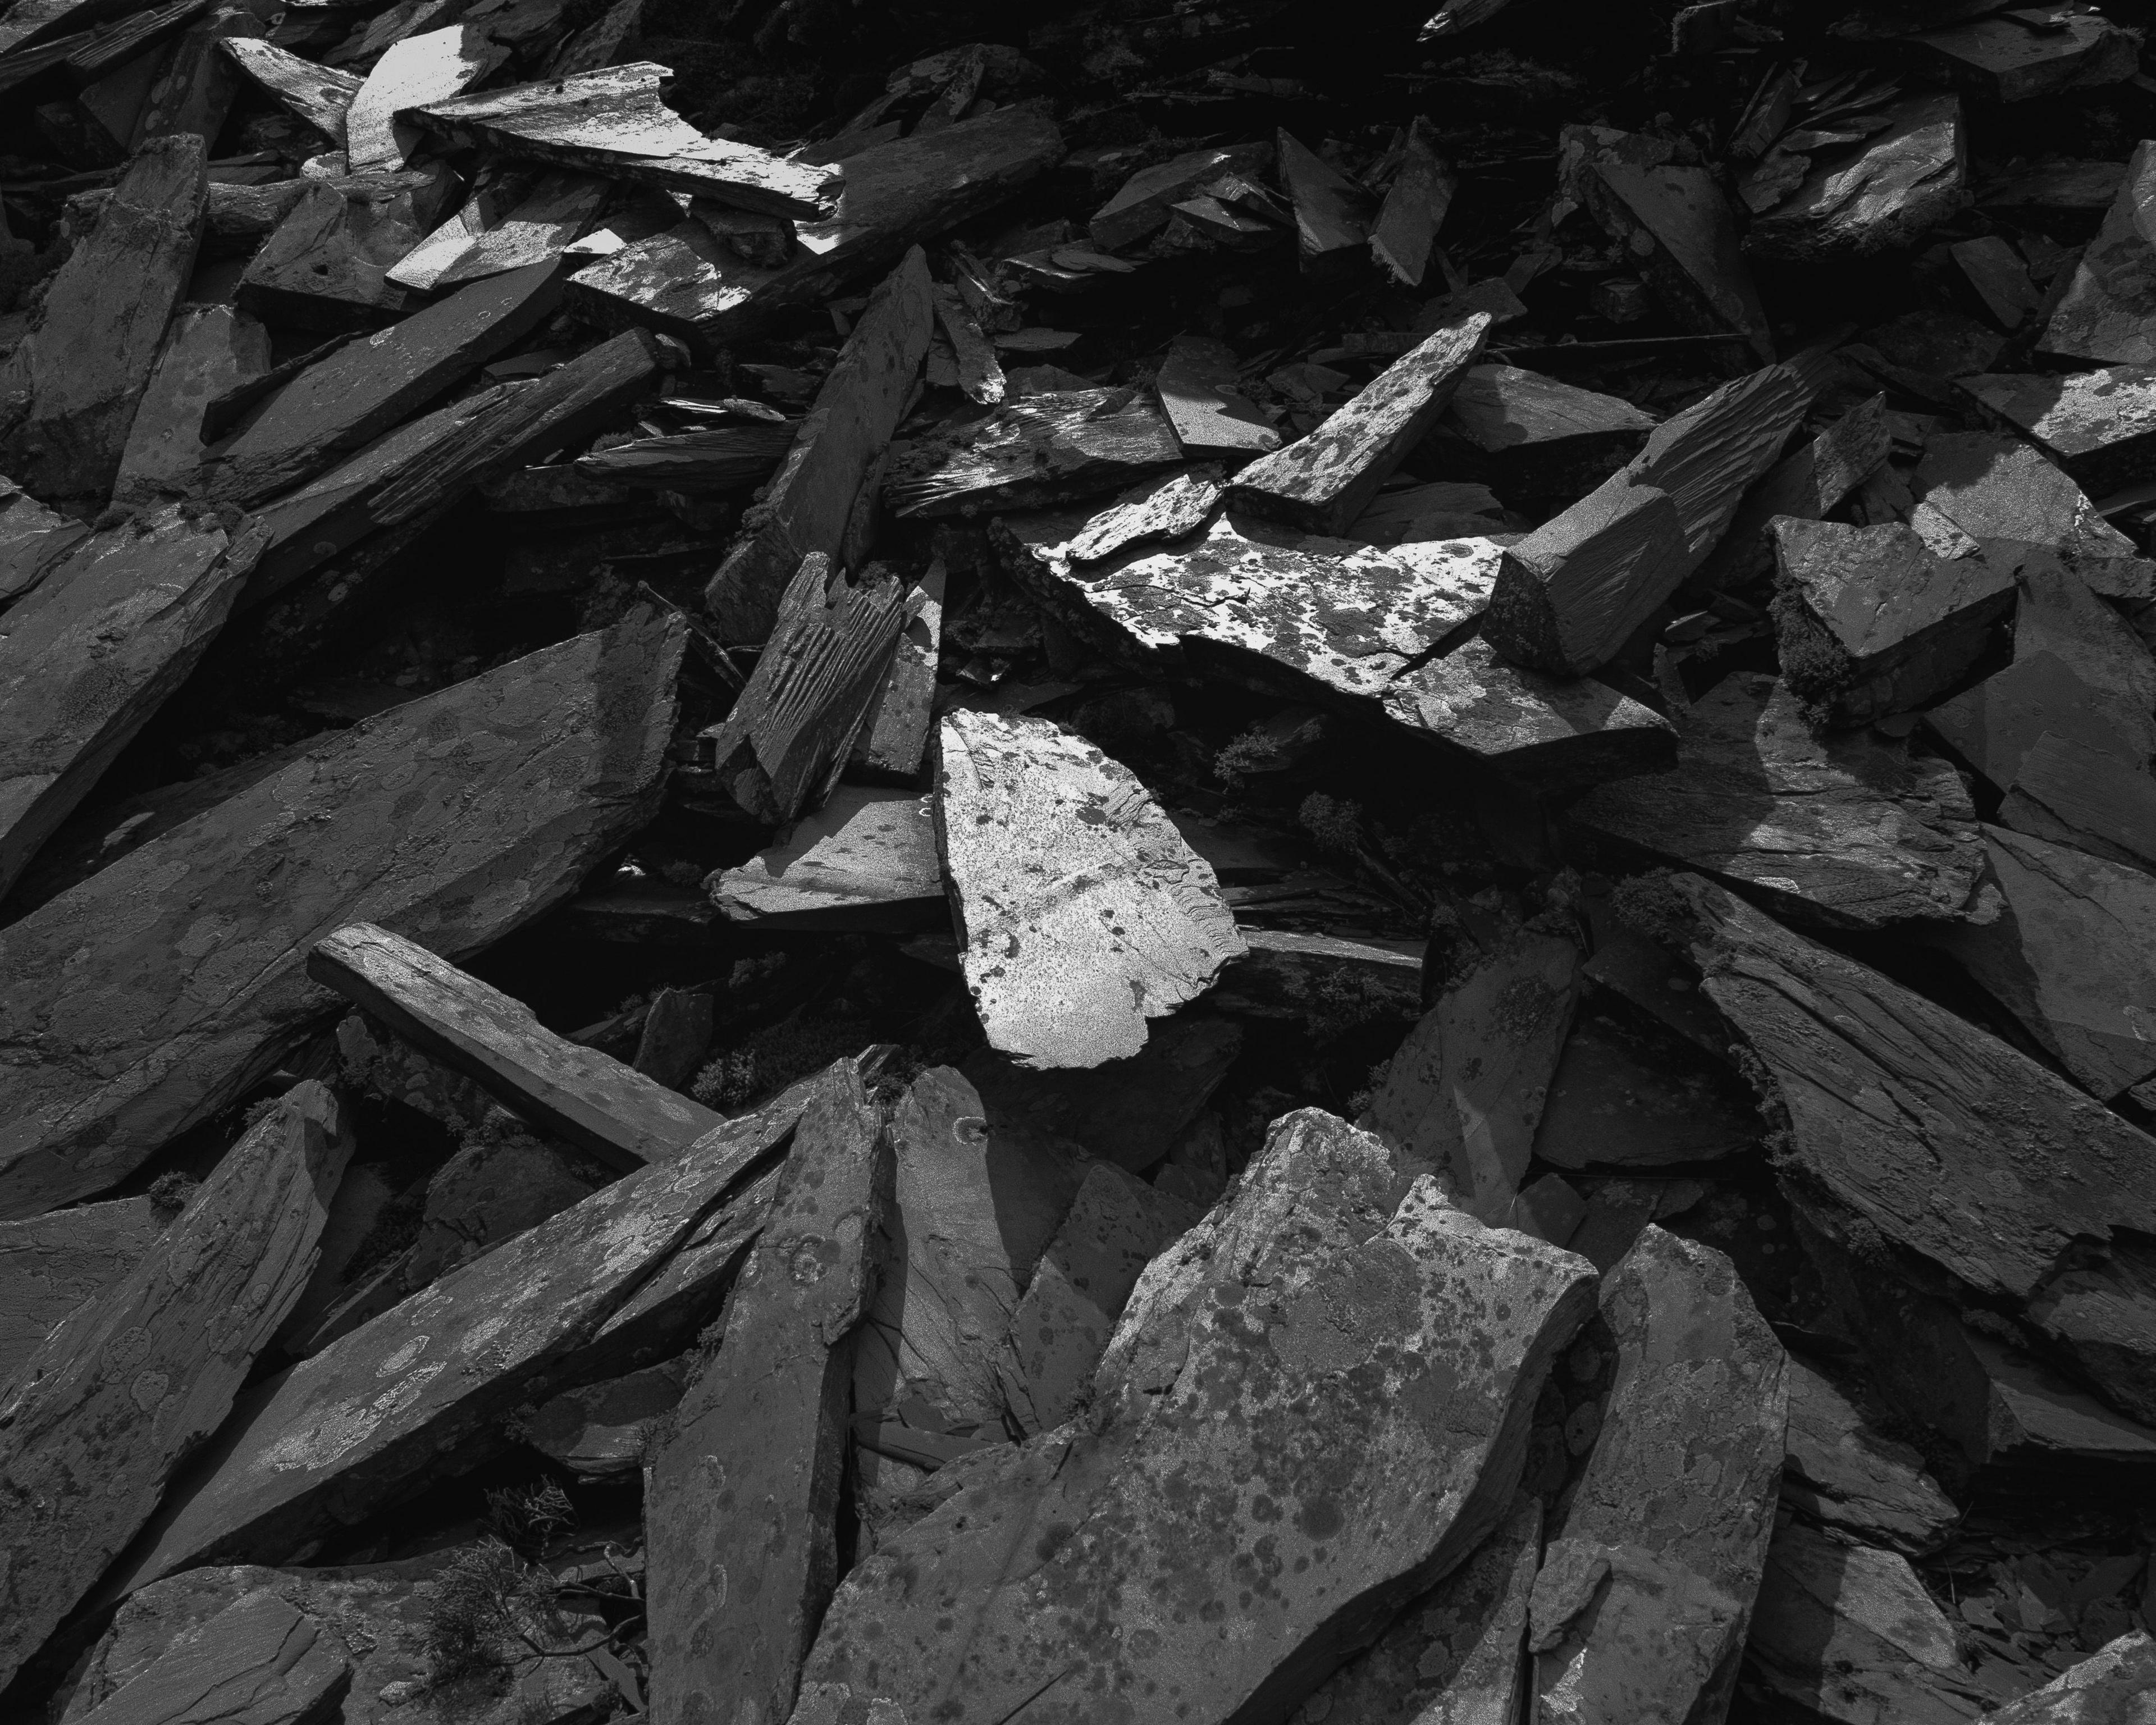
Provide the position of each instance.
(1843, 1474)
(579, 1094)
(1995, 487)
(126, 1386)
(1328, 1379)
(2103, 317)
(741, 1553)
(1808, 485)
(1196, 387)
(1849, 830)
(1322, 481)
(1923, 1124)
(1144, 203)
(1115, 1227)
(2068, 953)
(51, 1265)
(89, 656)
(258, 1662)
(1646, 1589)
(601, 1431)
(1878, 620)
(866, 860)
(2099, 426)
(1892, 192)
(2084, 798)
(1676, 226)
(2113, 1684)
(1041, 448)
(1081, 912)
(70, 389)
(2005, 60)
(1846, 1633)
(1539, 436)
(1996, 726)
(1333, 213)
(452, 819)
(1462, 1098)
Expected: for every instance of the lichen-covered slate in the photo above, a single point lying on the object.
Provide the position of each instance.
(1344, 623)
(1333, 1418)
(1847, 829)
(145, 999)
(1081, 912)
(1323, 480)
(741, 1539)
(93, 652)
(429, 1383)
(1640, 1609)
(1945, 1139)
(127, 1386)
(68, 392)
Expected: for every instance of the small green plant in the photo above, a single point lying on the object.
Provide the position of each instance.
(1651, 904)
(530, 1516)
(485, 1602)
(1253, 752)
(1336, 825)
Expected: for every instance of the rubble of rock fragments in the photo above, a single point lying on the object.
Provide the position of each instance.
(1130, 863)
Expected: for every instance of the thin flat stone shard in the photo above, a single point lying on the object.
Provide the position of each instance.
(52, 1264)
(1893, 192)
(1414, 206)
(1847, 1634)
(1462, 1098)
(1675, 224)
(1081, 912)
(1194, 384)
(1945, 1139)
(1039, 449)
(2069, 954)
(100, 1418)
(1647, 1588)
(1848, 828)
(610, 121)
(2103, 317)
(1808, 485)
(428, 1384)
(1322, 481)
(834, 452)
(1541, 437)
(451, 820)
(70, 390)
(1329, 1380)
(864, 860)
(320, 95)
(1145, 201)
(511, 220)
(258, 1662)
(741, 1553)
(429, 67)
(90, 655)
(574, 1092)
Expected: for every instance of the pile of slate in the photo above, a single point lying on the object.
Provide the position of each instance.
(1169, 864)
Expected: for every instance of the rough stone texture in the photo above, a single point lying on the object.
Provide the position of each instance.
(1944, 1138)
(1995, 487)
(90, 655)
(741, 1554)
(148, 997)
(384, 1614)
(894, 737)
(1901, 184)
(1842, 1475)
(893, 197)
(1303, 1430)
(52, 1264)
(1846, 1634)
(1115, 1227)
(69, 392)
(979, 1196)
(1081, 912)
(100, 1416)
(2104, 316)
(510, 220)
(2068, 953)
(425, 1386)
(414, 71)
(866, 860)
(2099, 426)
(808, 500)
(1322, 481)
(1876, 620)
(2085, 797)
(1144, 202)
(1806, 485)
(1344, 623)
(2115, 1687)
(611, 120)
(602, 1430)
(1462, 1098)
(257, 1662)
(1848, 829)
(1455, 1656)
(320, 95)
(578, 1093)
(208, 350)
(1640, 1609)
(1196, 385)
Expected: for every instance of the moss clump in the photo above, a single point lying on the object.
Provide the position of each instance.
(1335, 824)
(1653, 905)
